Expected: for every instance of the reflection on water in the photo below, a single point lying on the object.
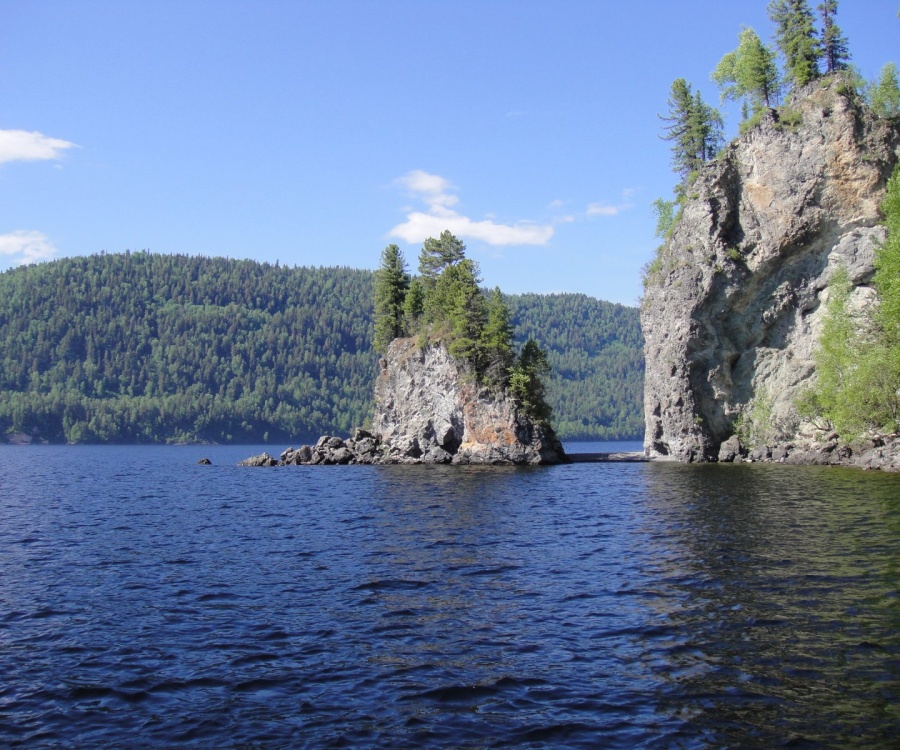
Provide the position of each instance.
(147, 601)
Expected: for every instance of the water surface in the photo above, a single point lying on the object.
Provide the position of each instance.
(146, 601)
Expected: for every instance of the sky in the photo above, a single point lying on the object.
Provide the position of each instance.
(315, 133)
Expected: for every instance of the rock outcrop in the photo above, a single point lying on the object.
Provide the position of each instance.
(430, 410)
(733, 308)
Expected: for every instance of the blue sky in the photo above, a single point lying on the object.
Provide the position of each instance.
(315, 133)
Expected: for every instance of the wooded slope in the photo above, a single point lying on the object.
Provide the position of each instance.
(138, 347)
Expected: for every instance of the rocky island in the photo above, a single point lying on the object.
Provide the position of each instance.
(736, 303)
(450, 389)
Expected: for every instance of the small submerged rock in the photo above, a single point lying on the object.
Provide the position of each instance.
(204, 462)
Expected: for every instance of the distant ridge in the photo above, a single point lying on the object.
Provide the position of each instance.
(141, 347)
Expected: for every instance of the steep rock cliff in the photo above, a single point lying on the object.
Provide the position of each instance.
(733, 308)
(428, 408)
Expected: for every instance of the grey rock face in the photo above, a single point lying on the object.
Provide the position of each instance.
(428, 408)
(732, 316)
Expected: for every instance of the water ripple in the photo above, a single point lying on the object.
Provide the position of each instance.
(633, 606)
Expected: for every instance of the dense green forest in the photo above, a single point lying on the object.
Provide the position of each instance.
(141, 347)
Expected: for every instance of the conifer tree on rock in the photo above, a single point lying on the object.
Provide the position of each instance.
(884, 94)
(495, 343)
(439, 253)
(391, 284)
(835, 53)
(694, 128)
(749, 73)
(795, 35)
(526, 383)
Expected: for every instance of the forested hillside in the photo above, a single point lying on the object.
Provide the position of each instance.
(138, 347)
(595, 350)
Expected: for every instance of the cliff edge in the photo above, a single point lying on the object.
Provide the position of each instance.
(733, 307)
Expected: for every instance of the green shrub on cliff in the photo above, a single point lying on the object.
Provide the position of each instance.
(858, 360)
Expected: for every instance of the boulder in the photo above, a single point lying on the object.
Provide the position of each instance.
(264, 459)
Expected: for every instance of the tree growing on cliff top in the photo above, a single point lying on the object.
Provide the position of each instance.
(446, 303)
(835, 52)
(439, 253)
(749, 73)
(496, 342)
(884, 94)
(694, 128)
(795, 35)
(391, 282)
(526, 381)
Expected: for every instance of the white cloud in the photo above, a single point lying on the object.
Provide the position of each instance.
(22, 145)
(22, 246)
(600, 209)
(609, 209)
(434, 191)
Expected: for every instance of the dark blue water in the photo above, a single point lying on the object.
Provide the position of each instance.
(146, 601)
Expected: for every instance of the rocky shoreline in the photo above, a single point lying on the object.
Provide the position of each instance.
(880, 453)
(367, 448)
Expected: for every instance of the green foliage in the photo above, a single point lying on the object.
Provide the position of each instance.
(734, 254)
(887, 267)
(790, 119)
(884, 94)
(749, 73)
(858, 359)
(147, 348)
(595, 351)
(665, 217)
(391, 284)
(835, 50)
(751, 121)
(796, 37)
(413, 305)
(526, 381)
(495, 342)
(439, 253)
(652, 268)
(694, 128)
(150, 348)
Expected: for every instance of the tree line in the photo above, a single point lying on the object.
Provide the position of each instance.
(140, 347)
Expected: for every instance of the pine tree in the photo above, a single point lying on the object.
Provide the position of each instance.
(708, 128)
(749, 73)
(496, 340)
(795, 35)
(526, 381)
(458, 293)
(694, 128)
(391, 283)
(414, 304)
(884, 95)
(834, 43)
(439, 253)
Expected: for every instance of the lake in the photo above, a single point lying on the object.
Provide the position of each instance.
(146, 601)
